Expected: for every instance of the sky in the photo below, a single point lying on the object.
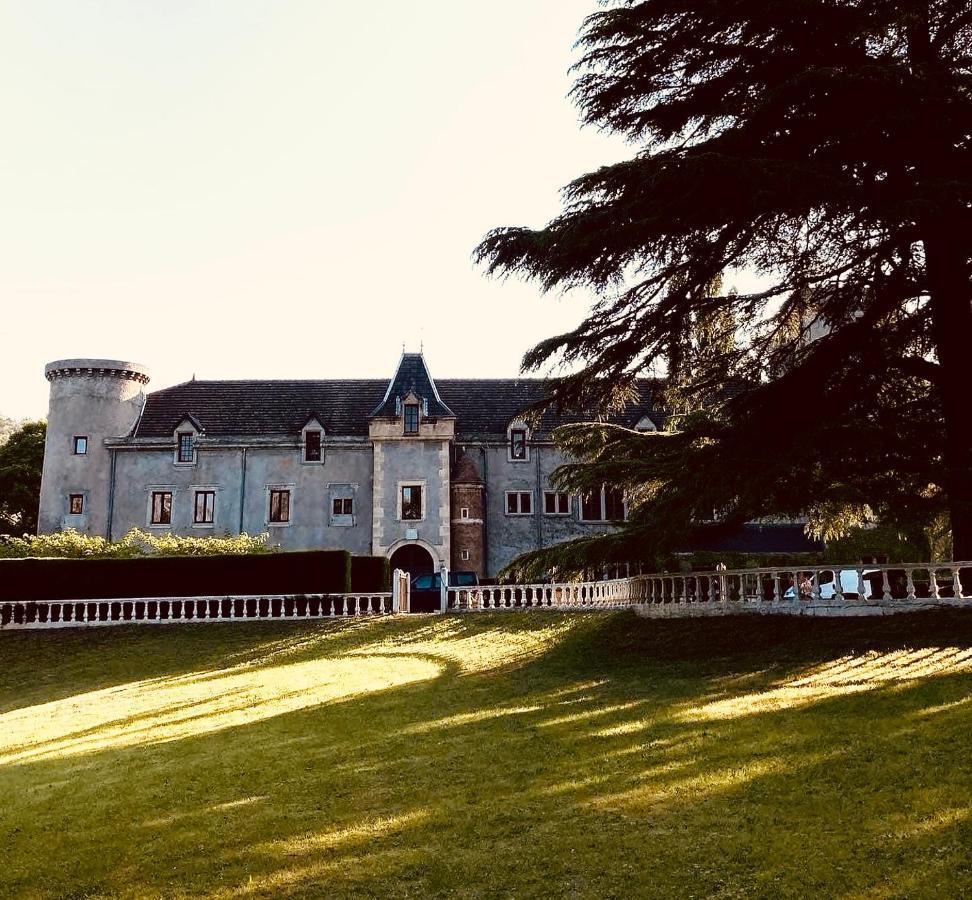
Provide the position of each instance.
(239, 189)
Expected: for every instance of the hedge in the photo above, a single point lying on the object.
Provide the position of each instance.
(370, 574)
(311, 572)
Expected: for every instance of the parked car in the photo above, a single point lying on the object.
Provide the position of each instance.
(848, 584)
(426, 594)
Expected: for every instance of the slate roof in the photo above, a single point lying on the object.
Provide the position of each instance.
(483, 407)
(412, 377)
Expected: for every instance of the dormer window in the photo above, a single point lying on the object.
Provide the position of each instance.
(187, 447)
(312, 446)
(518, 444)
(411, 418)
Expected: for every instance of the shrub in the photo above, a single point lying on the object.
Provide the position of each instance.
(311, 572)
(70, 544)
(370, 574)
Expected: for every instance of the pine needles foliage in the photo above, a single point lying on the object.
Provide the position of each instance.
(826, 147)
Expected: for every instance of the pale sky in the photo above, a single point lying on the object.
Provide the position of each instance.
(286, 189)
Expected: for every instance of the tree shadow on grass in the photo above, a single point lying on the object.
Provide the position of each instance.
(595, 767)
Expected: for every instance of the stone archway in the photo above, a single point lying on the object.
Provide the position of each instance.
(414, 559)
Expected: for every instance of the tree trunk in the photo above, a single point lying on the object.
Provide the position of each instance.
(951, 306)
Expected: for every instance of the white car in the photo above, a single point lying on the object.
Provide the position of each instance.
(848, 585)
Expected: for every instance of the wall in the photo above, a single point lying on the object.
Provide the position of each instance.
(416, 461)
(509, 536)
(220, 467)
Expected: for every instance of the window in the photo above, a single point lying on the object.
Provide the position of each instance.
(76, 504)
(464, 555)
(80, 445)
(411, 502)
(519, 503)
(463, 512)
(606, 505)
(186, 447)
(613, 505)
(161, 508)
(312, 446)
(204, 511)
(341, 504)
(518, 444)
(280, 507)
(411, 418)
(556, 504)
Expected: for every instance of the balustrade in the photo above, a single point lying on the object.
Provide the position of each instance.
(164, 610)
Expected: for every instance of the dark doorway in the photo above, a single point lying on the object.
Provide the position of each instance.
(417, 561)
(413, 559)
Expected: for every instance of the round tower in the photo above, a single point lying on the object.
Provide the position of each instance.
(468, 518)
(91, 401)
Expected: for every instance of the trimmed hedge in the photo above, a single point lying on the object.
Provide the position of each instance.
(370, 574)
(311, 572)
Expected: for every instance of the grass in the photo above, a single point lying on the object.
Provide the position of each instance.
(490, 755)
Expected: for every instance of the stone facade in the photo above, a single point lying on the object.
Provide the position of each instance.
(369, 466)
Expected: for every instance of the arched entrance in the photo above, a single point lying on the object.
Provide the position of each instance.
(414, 559)
(418, 562)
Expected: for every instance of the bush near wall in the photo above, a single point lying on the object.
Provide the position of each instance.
(71, 544)
(370, 574)
(311, 572)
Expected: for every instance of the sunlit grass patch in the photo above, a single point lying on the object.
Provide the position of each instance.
(492, 755)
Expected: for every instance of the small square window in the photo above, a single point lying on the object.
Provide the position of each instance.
(464, 512)
(556, 504)
(312, 446)
(464, 555)
(204, 512)
(411, 418)
(411, 502)
(80, 445)
(343, 506)
(280, 506)
(186, 447)
(161, 508)
(76, 504)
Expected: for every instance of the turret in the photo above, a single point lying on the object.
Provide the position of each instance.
(468, 518)
(91, 401)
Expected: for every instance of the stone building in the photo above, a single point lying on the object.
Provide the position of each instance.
(428, 474)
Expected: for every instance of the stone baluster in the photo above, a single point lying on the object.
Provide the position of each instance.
(933, 583)
(861, 586)
(911, 585)
(886, 585)
(956, 582)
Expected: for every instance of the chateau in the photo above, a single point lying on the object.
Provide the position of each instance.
(427, 473)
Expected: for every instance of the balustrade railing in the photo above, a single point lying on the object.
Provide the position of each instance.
(791, 590)
(615, 594)
(822, 590)
(163, 610)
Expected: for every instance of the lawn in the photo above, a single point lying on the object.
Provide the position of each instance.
(534, 754)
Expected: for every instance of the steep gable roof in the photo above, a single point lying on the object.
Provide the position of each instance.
(411, 377)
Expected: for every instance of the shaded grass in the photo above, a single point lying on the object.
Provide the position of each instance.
(490, 755)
